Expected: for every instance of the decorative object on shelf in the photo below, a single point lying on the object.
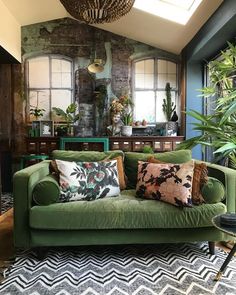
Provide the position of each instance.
(97, 11)
(42, 128)
(174, 117)
(144, 122)
(96, 66)
(120, 113)
(137, 123)
(46, 128)
(171, 128)
(35, 130)
(127, 119)
(116, 124)
(69, 116)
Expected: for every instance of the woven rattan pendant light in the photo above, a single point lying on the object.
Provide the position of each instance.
(97, 11)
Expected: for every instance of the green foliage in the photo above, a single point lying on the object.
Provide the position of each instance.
(218, 129)
(127, 118)
(147, 150)
(69, 115)
(36, 112)
(168, 106)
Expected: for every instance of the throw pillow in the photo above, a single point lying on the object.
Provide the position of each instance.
(213, 191)
(46, 191)
(88, 180)
(120, 166)
(132, 158)
(53, 169)
(171, 183)
(199, 179)
(121, 173)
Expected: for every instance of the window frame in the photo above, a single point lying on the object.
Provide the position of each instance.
(28, 89)
(155, 88)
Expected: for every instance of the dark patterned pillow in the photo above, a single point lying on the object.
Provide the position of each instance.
(200, 178)
(171, 183)
(88, 180)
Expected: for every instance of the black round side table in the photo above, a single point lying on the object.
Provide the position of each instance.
(230, 230)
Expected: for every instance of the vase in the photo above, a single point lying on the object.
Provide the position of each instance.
(126, 130)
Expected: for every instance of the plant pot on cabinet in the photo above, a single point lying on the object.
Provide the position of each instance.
(171, 128)
(126, 130)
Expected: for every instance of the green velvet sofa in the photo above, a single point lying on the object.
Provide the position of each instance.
(120, 220)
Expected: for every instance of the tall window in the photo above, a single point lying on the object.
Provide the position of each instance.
(49, 83)
(150, 78)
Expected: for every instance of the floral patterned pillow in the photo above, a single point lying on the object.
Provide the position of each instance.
(87, 180)
(171, 183)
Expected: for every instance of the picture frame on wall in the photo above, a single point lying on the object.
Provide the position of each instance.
(46, 128)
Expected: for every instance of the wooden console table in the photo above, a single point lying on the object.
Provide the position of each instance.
(45, 145)
(137, 143)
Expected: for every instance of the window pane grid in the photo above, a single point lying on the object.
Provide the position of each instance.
(151, 92)
(56, 91)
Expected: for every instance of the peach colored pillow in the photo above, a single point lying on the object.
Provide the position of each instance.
(200, 177)
(171, 183)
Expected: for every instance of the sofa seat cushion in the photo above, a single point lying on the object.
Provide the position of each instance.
(123, 212)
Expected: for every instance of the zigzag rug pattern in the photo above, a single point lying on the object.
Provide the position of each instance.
(173, 269)
(7, 202)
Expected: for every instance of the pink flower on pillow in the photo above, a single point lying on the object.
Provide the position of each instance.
(171, 183)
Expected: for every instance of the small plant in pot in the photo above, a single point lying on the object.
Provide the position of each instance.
(127, 119)
(69, 117)
(36, 112)
(169, 108)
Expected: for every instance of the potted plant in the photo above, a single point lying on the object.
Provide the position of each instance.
(218, 129)
(169, 108)
(36, 112)
(127, 119)
(69, 117)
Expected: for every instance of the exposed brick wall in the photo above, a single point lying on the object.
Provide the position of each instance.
(83, 43)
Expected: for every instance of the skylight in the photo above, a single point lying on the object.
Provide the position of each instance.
(179, 11)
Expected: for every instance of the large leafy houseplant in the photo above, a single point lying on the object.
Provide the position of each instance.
(218, 129)
(69, 116)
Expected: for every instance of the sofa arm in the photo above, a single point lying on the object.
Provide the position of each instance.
(23, 185)
(228, 177)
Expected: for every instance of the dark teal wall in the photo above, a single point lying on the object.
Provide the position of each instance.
(194, 82)
(208, 42)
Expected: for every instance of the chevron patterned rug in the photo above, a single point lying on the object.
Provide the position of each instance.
(173, 269)
(7, 202)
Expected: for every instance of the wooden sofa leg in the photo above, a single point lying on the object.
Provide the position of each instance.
(212, 247)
